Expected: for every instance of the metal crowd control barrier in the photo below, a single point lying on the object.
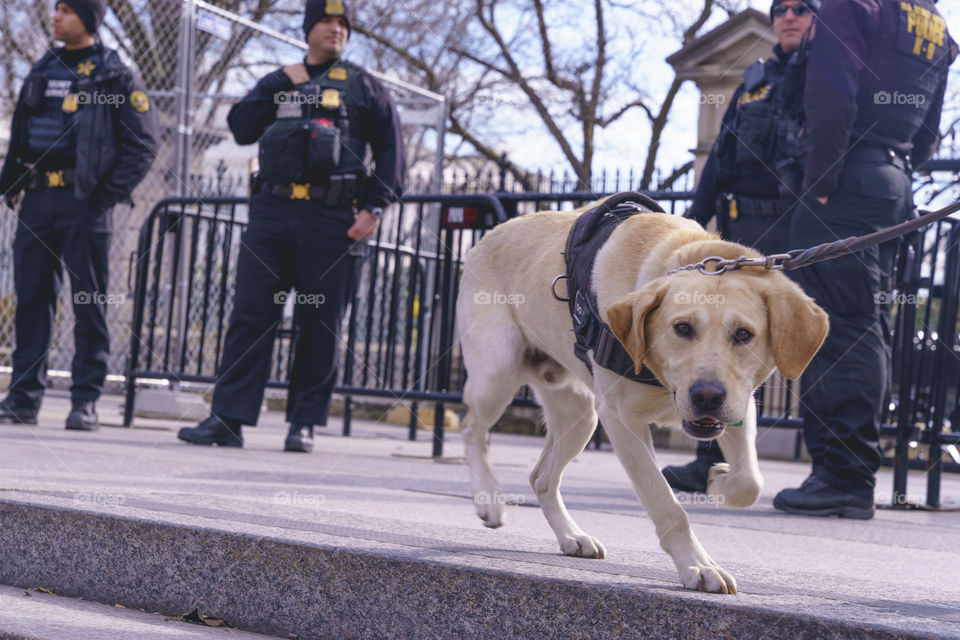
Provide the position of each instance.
(927, 357)
(400, 331)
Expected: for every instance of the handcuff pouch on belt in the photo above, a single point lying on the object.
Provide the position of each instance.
(588, 234)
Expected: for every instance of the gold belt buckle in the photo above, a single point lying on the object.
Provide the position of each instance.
(55, 179)
(299, 191)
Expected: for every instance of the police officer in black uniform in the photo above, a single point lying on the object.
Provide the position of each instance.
(752, 177)
(874, 91)
(83, 137)
(316, 200)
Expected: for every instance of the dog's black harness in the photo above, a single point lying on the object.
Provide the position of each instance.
(588, 234)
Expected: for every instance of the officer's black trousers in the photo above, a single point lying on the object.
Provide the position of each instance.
(288, 243)
(846, 383)
(54, 226)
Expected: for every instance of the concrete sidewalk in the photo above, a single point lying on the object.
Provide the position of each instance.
(368, 537)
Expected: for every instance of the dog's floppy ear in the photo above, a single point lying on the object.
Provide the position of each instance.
(626, 318)
(798, 326)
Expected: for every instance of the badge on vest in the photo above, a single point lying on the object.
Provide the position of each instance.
(85, 68)
(338, 73)
(70, 103)
(334, 7)
(139, 101)
(330, 99)
(754, 96)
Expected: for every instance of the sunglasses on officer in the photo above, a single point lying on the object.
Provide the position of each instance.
(798, 10)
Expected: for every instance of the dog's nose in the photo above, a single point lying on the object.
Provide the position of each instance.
(707, 396)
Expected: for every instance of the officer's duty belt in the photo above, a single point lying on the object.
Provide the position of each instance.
(738, 206)
(341, 191)
(59, 178)
(876, 153)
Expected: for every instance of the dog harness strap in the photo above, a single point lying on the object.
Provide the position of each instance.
(589, 233)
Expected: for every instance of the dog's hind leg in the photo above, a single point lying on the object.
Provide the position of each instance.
(571, 420)
(738, 481)
(489, 389)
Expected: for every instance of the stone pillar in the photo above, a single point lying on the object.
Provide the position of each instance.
(715, 62)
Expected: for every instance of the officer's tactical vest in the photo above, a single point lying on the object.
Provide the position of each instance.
(748, 145)
(310, 140)
(51, 100)
(894, 103)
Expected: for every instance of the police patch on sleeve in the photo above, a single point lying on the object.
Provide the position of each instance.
(921, 31)
(139, 101)
(70, 103)
(338, 73)
(334, 7)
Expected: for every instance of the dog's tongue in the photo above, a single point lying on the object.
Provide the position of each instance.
(708, 422)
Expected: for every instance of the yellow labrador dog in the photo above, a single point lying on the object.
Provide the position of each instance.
(710, 340)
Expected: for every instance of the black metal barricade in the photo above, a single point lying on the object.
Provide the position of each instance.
(926, 365)
(400, 329)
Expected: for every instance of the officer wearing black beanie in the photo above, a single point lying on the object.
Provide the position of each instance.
(91, 12)
(317, 9)
(83, 136)
(316, 198)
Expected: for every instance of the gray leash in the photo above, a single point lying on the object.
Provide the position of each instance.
(798, 258)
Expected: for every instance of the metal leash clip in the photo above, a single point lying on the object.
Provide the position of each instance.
(773, 263)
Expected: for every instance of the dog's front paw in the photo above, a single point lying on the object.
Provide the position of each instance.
(708, 577)
(737, 490)
(490, 508)
(582, 546)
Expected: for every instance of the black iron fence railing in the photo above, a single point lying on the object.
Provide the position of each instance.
(399, 338)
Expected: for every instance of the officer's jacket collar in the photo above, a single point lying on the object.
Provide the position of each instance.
(109, 68)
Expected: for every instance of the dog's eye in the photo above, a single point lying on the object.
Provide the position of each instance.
(742, 336)
(683, 330)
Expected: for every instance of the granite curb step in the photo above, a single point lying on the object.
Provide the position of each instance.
(272, 580)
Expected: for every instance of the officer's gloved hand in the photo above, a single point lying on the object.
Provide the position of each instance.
(102, 200)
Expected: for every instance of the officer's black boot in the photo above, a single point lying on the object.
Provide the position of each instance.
(13, 412)
(819, 497)
(300, 438)
(83, 416)
(693, 476)
(224, 432)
